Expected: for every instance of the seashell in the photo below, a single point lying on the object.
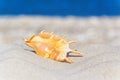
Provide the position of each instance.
(50, 45)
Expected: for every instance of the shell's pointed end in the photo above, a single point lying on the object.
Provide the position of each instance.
(42, 31)
(25, 40)
(69, 42)
(76, 52)
(29, 38)
(68, 60)
(32, 37)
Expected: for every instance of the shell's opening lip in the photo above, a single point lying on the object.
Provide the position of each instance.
(73, 55)
(25, 40)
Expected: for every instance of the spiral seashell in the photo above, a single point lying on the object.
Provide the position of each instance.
(50, 45)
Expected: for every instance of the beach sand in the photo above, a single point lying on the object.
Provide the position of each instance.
(98, 40)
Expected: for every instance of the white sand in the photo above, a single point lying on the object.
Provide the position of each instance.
(98, 40)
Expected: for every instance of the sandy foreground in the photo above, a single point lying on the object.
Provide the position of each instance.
(98, 40)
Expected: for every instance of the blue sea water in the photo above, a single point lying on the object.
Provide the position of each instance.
(60, 7)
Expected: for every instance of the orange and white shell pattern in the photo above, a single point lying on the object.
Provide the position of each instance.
(50, 45)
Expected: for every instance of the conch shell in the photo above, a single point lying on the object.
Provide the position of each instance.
(50, 45)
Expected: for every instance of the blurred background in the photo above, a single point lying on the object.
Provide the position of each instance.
(60, 7)
(87, 21)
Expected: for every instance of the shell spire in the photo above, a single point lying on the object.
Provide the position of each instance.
(50, 45)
